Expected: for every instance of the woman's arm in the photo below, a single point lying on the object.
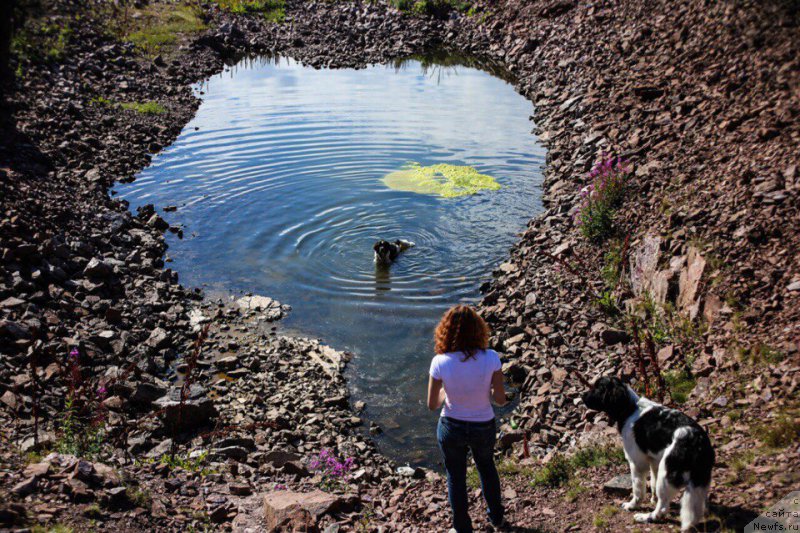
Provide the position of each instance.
(435, 393)
(498, 390)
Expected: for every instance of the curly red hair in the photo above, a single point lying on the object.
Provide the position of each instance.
(461, 329)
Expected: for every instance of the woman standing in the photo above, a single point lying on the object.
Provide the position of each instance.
(466, 376)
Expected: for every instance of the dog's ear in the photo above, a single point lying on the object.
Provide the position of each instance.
(617, 400)
(376, 245)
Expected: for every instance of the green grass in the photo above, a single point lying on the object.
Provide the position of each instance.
(39, 41)
(138, 496)
(506, 468)
(555, 473)
(473, 479)
(561, 468)
(761, 355)
(93, 510)
(190, 464)
(196, 465)
(739, 464)
(34, 457)
(612, 265)
(101, 101)
(741, 461)
(435, 8)
(55, 528)
(157, 28)
(665, 324)
(575, 491)
(680, 384)
(607, 302)
(272, 10)
(606, 513)
(781, 432)
(145, 108)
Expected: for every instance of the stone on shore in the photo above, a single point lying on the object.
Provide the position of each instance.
(287, 509)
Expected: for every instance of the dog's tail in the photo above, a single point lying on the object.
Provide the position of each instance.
(693, 506)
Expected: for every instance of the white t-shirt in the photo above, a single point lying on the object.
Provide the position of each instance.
(467, 384)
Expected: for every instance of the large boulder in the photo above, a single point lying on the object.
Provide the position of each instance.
(195, 411)
(289, 510)
(689, 283)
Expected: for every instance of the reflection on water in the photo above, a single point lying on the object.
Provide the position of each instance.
(278, 185)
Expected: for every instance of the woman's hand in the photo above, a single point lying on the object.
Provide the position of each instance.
(498, 389)
(435, 393)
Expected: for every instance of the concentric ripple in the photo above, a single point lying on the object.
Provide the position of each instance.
(278, 186)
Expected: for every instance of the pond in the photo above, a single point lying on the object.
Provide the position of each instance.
(279, 186)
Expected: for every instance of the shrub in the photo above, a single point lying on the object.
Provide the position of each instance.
(83, 419)
(607, 301)
(680, 384)
(601, 197)
(554, 474)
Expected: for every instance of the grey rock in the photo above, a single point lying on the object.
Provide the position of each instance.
(619, 485)
(614, 336)
(28, 486)
(98, 268)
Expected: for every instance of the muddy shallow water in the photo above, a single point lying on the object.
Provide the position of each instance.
(278, 183)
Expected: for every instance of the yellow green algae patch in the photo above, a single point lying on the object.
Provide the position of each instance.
(448, 181)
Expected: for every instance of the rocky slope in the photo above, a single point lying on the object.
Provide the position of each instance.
(703, 101)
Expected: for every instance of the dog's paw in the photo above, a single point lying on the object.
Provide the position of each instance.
(643, 518)
(631, 505)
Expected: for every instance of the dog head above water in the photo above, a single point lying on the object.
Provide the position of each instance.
(385, 251)
(612, 397)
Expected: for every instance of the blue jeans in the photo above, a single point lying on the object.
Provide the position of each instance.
(455, 438)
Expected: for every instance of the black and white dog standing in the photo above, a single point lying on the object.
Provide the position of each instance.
(386, 252)
(672, 446)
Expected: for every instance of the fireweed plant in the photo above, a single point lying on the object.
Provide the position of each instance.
(82, 431)
(334, 472)
(601, 197)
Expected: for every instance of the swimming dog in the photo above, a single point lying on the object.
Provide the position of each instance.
(672, 446)
(386, 252)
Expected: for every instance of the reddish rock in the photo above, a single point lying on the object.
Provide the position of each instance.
(282, 508)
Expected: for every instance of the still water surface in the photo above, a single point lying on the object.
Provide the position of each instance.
(278, 185)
